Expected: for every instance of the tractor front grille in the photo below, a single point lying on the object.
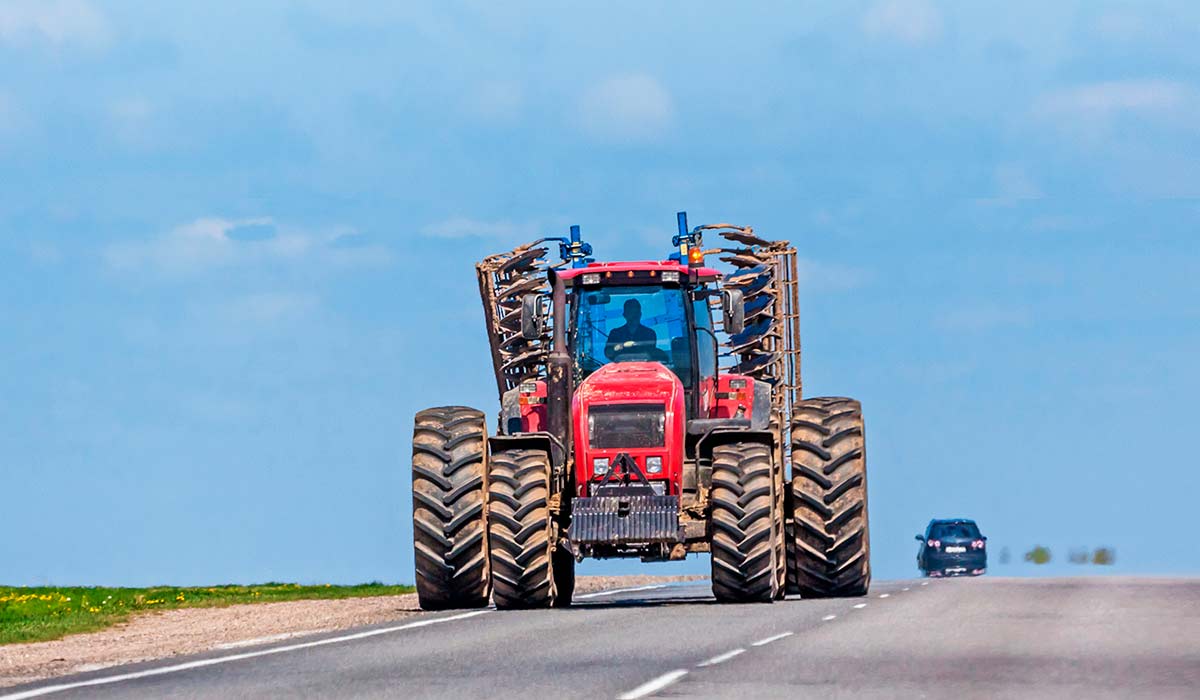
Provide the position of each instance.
(618, 426)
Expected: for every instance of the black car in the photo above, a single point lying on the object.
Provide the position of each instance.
(952, 547)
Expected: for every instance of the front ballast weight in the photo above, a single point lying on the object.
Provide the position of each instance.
(625, 510)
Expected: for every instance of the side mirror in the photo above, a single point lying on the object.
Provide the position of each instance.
(920, 538)
(533, 320)
(733, 304)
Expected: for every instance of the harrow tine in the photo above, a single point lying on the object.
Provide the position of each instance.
(755, 364)
(744, 237)
(532, 357)
(525, 285)
(524, 261)
(743, 260)
(757, 305)
(752, 333)
(753, 285)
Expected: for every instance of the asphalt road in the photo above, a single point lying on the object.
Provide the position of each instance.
(985, 637)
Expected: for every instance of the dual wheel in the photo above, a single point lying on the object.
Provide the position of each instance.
(482, 528)
(813, 530)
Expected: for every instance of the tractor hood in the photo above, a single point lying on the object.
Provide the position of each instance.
(629, 407)
(630, 382)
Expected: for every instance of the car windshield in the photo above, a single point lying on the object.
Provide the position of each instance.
(635, 323)
(964, 531)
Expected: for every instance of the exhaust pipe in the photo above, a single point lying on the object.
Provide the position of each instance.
(558, 369)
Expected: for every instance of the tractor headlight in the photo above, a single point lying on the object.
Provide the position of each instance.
(654, 465)
(600, 466)
(591, 278)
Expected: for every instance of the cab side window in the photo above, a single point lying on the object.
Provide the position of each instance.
(705, 348)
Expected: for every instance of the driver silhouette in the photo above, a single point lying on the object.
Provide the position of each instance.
(631, 337)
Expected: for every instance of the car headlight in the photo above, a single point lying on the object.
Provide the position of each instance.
(600, 466)
(654, 465)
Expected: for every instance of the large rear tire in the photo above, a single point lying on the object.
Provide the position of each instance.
(744, 524)
(832, 545)
(519, 529)
(449, 532)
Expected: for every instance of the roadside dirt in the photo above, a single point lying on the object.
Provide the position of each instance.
(192, 631)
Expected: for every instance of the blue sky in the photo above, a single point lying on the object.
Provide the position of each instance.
(236, 246)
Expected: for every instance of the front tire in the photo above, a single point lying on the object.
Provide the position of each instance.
(832, 546)
(449, 532)
(519, 529)
(745, 533)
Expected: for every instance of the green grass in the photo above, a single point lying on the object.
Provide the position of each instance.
(40, 614)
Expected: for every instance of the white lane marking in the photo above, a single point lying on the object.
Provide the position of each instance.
(886, 595)
(768, 640)
(924, 583)
(267, 640)
(860, 606)
(827, 618)
(620, 590)
(908, 589)
(721, 658)
(47, 690)
(653, 686)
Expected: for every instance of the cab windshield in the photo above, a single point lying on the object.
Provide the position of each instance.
(635, 323)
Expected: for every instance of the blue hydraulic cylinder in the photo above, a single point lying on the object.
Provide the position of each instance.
(576, 250)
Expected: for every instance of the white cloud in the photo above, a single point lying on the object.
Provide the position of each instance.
(8, 115)
(1120, 26)
(463, 227)
(1012, 184)
(132, 120)
(45, 253)
(58, 22)
(982, 318)
(626, 108)
(498, 101)
(912, 22)
(266, 307)
(131, 109)
(215, 242)
(200, 244)
(1093, 107)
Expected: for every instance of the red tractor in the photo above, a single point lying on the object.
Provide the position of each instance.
(648, 409)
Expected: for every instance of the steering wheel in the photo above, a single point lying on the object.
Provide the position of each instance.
(631, 351)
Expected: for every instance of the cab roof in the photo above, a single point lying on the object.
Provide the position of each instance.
(655, 266)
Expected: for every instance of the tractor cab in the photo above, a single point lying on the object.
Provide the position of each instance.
(657, 312)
